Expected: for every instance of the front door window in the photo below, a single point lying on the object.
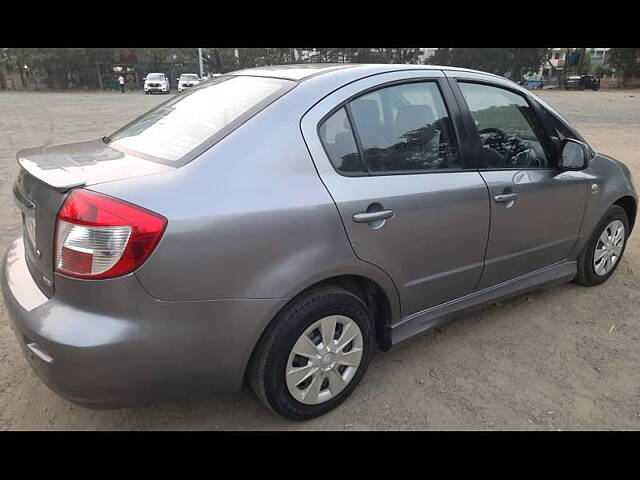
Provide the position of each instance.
(511, 134)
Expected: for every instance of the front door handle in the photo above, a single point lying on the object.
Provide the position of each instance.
(368, 217)
(506, 198)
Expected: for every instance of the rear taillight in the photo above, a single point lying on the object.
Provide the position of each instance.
(102, 237)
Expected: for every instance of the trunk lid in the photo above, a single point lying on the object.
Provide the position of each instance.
(47, 175)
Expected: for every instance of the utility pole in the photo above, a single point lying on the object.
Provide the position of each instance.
(200, 62)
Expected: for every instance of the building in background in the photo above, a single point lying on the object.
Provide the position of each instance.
(551, 70)
(562, 58)
(597, 56)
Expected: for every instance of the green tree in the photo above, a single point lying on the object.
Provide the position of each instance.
(95, 66)
(442, 56)
(513, 61)
(624, 60)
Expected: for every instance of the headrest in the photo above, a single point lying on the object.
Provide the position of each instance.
(366, 113)
(413, 117)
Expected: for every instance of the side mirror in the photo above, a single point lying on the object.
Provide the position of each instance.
(144, 78)
(574, 155)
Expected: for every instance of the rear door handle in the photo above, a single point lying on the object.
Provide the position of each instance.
(505, 198)
(367, 217)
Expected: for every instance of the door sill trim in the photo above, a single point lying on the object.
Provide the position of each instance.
(432, 317)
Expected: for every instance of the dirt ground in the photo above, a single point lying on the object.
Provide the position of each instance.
(563, 358)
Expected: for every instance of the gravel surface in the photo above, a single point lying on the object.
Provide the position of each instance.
(561, 358)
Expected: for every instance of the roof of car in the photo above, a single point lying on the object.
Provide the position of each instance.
(304, 71)
(293, 72)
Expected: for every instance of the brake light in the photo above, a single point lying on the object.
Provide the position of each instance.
(98, 236)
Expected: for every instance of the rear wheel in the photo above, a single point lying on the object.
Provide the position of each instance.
(602, 255)
(314, 353)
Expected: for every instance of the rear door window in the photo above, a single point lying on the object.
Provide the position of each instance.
(405, 129)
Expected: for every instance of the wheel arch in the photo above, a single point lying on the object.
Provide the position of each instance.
(628, 204)
(375, 296)
(380, 297)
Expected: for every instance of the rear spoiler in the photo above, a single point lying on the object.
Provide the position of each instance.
(71, 165)
(58, 178)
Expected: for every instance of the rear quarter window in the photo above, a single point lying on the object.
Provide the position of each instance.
(340, 145)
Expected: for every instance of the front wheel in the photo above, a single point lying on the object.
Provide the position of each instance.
(313, 354)
(602, 255)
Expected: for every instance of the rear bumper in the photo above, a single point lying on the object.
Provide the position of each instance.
(112, 345)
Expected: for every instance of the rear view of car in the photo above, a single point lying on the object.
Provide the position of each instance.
(96, 212)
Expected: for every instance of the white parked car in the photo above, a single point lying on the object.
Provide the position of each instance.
(188, 80)
(156, 82)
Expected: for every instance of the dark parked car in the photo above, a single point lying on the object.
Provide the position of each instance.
(581, 82)
(281, 224)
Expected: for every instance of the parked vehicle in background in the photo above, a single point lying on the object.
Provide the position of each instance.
(580, 82)
(281, 224)
(188, 80)
(156, 82)
(533, 84)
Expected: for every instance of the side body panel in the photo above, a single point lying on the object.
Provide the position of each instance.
(541, 226)
(608, 180)
(114, 345)
(538, 229)
(248, 219)
(433, 247)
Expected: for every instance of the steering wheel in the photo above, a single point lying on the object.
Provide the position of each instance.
(498, 131)
(496, 139)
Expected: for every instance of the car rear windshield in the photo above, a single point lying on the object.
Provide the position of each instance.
(179, 129)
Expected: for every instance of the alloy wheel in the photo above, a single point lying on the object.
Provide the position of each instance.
(609, 248)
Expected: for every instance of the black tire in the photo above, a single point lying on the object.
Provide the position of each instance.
(266, 371)
(586, 272)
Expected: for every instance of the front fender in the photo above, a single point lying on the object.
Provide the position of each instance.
(609, 181)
